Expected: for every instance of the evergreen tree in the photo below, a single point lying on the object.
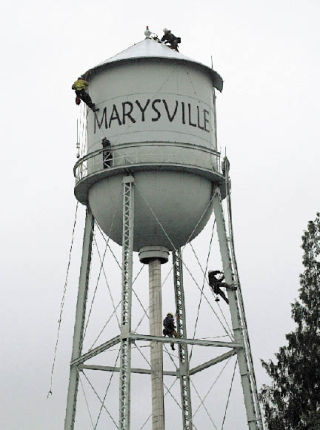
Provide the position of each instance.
(292, 401)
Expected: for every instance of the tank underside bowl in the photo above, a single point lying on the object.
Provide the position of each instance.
(83, 185)
(170, 207)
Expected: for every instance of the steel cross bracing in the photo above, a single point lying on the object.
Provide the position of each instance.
(239, 346)
(236, 317)
(183, 347)
(79, 322)
(125, 348)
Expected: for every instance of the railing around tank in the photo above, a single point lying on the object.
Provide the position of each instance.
(147, 153)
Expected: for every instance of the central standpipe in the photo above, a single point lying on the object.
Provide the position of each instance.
(154, 257)
(156, 358)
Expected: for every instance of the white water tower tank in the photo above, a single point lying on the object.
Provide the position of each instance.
(157, 109)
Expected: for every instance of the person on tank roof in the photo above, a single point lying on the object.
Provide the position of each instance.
(171, 39)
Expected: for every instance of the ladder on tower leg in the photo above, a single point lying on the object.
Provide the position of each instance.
(236, 316)
(241, 304)
(125, 348)
(183, 348)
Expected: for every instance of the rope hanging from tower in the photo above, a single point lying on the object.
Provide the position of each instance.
(62, 302)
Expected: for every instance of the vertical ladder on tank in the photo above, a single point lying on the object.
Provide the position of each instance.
(183, 348)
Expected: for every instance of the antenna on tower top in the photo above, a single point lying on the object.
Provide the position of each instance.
(147, 32)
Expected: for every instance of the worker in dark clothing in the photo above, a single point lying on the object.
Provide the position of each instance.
(169, 328)
(171, 39)
(216, 283)
(106, 154)
(80, 86)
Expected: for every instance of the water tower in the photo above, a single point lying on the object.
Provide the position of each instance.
(152, 190)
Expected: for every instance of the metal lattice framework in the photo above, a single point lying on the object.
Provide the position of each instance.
(183, 347)
(126, 302)
(237, 346)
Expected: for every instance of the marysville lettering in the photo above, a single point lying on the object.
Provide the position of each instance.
(132, 112)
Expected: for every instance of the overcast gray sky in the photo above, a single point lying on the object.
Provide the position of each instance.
(268, 119)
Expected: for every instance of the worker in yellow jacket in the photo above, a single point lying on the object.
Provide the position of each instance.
(80, 86)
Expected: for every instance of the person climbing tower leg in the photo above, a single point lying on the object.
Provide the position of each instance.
(169, 328)
(216, 283)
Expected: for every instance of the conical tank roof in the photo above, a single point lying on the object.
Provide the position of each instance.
(149, 48)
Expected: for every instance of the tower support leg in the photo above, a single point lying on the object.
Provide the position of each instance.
(125, 348)
(237, 324)
(240, 299)
(156, 355)
(183, 348)
(79, 322)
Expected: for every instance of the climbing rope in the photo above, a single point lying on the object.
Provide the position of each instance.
(82, 129)
(63, 301)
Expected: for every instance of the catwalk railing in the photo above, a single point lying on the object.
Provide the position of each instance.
(164, 154)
